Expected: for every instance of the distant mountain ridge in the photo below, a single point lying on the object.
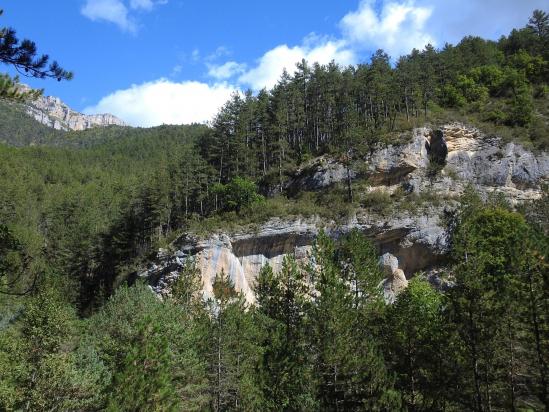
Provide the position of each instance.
(53, 112)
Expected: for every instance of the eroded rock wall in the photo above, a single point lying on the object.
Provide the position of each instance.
(418, 239)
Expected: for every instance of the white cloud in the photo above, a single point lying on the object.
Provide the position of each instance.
(451, 20)
(113, 11)
(165, 102)
(271, 65)
(116, 11)
(397, 27)
(142, 4)
(221, 51)
(146, 5)
(225, 71)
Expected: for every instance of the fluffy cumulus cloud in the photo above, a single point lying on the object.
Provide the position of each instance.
(271, 65)
(396, 27)
(165, 102)
(113, 11)
(225, 71)
(117, 12)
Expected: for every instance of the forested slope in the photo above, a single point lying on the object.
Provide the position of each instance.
(17, 128)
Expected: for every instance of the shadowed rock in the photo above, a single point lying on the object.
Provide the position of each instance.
(436, 148)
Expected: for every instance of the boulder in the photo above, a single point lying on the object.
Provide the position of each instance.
(388, 263)
(395, 280)
(399, 281)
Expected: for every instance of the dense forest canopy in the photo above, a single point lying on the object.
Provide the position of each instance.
(80, 211)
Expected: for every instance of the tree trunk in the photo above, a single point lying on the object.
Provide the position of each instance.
(349, 184)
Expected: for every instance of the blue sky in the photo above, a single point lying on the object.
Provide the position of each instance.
(174, 61)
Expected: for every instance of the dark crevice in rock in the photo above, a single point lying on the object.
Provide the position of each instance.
(437, 151)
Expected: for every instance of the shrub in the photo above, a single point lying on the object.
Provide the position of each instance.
(238, 194)
(377, 201)
(451, 96)
(520, 108)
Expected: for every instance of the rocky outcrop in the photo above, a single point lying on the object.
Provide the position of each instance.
(418, 242)
(318, 174)
(395, 279)
(485, 162)
(52, 112)
(470, 157)
(415, 238)
(241, 255)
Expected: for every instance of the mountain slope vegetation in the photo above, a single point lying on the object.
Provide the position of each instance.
(79, 211)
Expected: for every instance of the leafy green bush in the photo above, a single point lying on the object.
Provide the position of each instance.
(239, 193)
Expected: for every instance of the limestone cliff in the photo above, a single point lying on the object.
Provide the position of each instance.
(415, 238)
(52, 112)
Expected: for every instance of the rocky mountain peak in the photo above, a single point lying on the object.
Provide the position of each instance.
(53, 112)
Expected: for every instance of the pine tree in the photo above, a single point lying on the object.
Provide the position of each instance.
(282, 310)
(57, 375)
(232, 350)
(145, 381)
(23, 57)
(415, 346)
(348, 363)
(539, 24)
(487, 309)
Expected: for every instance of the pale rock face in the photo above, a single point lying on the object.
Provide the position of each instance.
(410, 241)
(240, 257)
(486, 162)
(319, 173)
(212, 261)
(388, 263)
(394, 286)
(395, 279)
(52, 112)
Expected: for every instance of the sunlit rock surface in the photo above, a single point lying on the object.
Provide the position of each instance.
(52, 112)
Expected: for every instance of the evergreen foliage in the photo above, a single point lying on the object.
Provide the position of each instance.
(144, 382)
(319, 337)
(348, 364)
(282, 310)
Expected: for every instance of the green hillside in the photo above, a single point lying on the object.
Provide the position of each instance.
(17, 128)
